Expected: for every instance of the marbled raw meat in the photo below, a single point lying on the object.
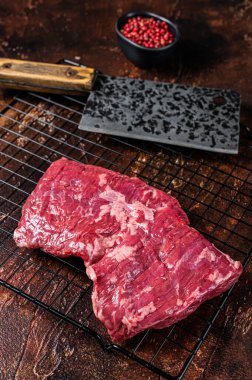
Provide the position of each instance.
(149, 267)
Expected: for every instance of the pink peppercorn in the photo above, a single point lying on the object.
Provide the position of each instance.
(148, 32)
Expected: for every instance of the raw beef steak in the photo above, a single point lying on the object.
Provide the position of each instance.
(149, 268)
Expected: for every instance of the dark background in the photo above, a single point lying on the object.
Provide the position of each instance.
(216, 50)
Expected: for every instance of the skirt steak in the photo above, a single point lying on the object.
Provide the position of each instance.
(149, 267)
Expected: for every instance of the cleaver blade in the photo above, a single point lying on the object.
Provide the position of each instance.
(177, 114)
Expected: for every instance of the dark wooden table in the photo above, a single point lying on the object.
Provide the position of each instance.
(216, 51)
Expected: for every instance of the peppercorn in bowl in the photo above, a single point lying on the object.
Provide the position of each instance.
(146, 38)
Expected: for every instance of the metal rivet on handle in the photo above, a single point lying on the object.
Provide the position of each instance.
(6, 65)
(70, 72)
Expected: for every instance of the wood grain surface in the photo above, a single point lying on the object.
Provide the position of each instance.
(45, 77)
(216, 50)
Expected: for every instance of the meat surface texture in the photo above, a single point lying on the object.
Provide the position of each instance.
(149, 267)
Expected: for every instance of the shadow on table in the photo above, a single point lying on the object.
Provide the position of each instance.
(199, 48)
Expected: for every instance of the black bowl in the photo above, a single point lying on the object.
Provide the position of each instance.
(140, 55)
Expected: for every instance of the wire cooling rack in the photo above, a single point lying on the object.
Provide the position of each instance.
(213, 189)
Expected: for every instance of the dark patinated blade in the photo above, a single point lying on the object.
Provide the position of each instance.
(202, 118)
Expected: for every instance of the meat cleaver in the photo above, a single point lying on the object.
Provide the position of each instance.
(194, 117)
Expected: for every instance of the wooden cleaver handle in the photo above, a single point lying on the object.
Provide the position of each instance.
(45, 77)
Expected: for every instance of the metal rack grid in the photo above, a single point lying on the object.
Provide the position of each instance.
(214, 190)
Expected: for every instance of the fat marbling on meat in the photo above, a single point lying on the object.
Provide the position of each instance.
(149, 267)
